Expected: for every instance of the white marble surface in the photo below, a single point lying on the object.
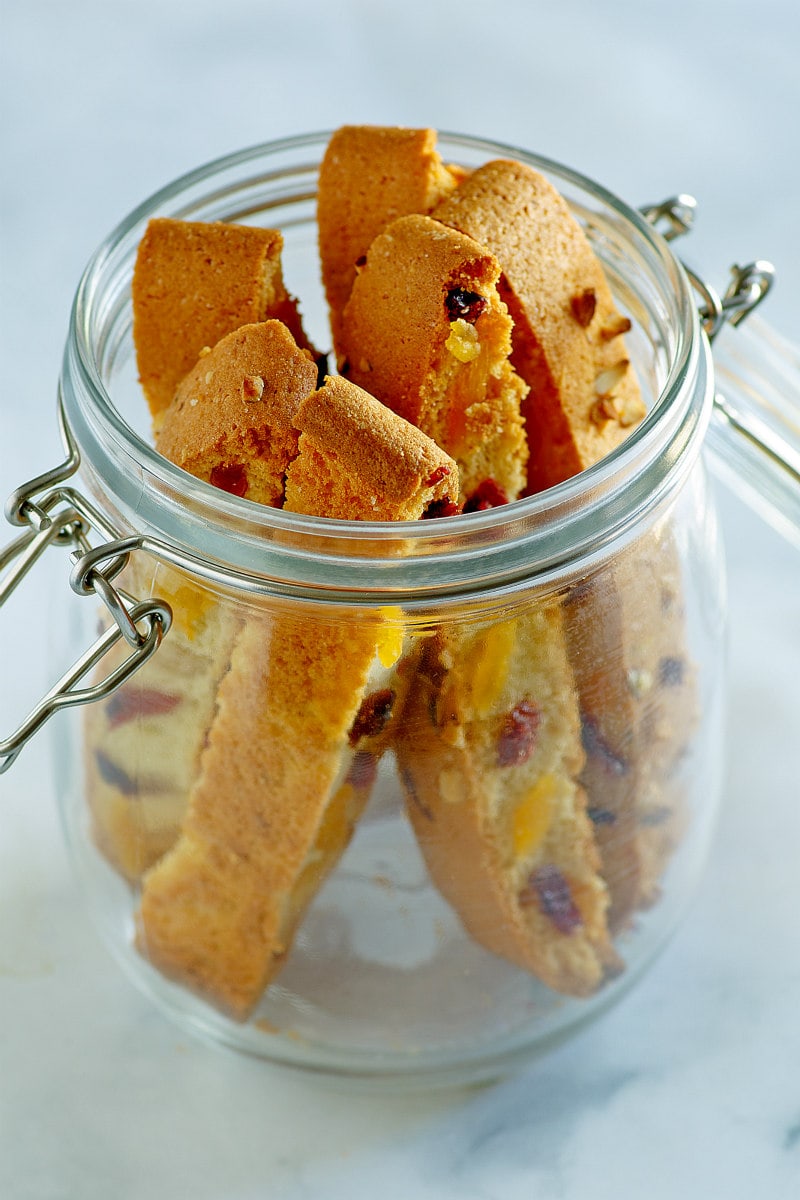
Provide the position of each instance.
(690, 1087)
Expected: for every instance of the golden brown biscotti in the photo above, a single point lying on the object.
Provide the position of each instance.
(425, 331)
(489, 752)
(627, 643)
(369, 176)
(142, 745)
(193, 282)
(568, 342)
(231, 421)
(301, 718)
(393, 471)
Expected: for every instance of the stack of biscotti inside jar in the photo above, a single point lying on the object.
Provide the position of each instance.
(479, 359)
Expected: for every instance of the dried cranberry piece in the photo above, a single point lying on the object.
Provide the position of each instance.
(548, 888)
(671, 672)
(372, 716)
(601, 816)
(363, 769)
(583, 306)
(440, 508)
(441, 472)
(465, 305)
(486, 495)
(114, 775)
(230, 477)
(596, 747)
(517, 740)
(141, 702)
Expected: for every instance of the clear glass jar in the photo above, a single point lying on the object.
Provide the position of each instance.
(401, 801)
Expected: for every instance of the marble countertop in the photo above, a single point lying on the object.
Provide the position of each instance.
(689, 1088)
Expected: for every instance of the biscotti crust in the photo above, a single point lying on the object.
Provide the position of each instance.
(568, 334)
(369, 176)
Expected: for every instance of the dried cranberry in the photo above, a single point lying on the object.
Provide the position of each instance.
(372, 716)
(597, 748)
(583, 306)
(465, 305)
(548, 888)
(139, 702)
(486, 495)
(671, 672)
(601, 816)
(361, 261)
(230, 477)
(441, 472)
(363, 769)
(114, 775)
(517, 740)
(440, 508)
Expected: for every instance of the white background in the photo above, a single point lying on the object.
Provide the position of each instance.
(690, 1088)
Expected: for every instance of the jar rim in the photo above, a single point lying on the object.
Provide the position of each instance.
(234, 540)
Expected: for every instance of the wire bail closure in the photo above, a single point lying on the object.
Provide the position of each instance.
(54, 515)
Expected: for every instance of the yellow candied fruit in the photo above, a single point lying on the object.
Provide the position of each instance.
(463, 342)
(390, 636)
(189, 608)
(531, 817)
(490, 666)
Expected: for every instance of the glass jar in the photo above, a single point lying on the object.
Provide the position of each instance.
(393, 800)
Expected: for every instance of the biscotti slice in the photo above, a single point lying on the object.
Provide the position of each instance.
(568, 342)
(231, 419)
(627, 642)
(194, 282)
(301, 719)
(142, 744)
(489, 751)
(425, 331)
(369, 176)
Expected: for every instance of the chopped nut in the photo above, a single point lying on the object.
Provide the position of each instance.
(640, 682)
(252, 388)
(603, 411)
(619, 326)
(607, 380)
(583, 306)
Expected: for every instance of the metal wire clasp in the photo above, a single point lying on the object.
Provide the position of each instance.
(748, 285)
(55, 515)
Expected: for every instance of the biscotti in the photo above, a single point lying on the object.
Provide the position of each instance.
(193, 282)
(489, 751)
(231, 419)
(568, 342)
(627, 641)
(142, 744)
(426, 333)
(369, 176)
(299, 724)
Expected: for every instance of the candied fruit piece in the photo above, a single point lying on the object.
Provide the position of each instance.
(372, 716)
(391, 636)
(441, 508)
(490, 665)
(517, 740)
(531, 817)
(230, 477)
(486, 495)
(463, 342)
(548, 887)
(139, 702)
